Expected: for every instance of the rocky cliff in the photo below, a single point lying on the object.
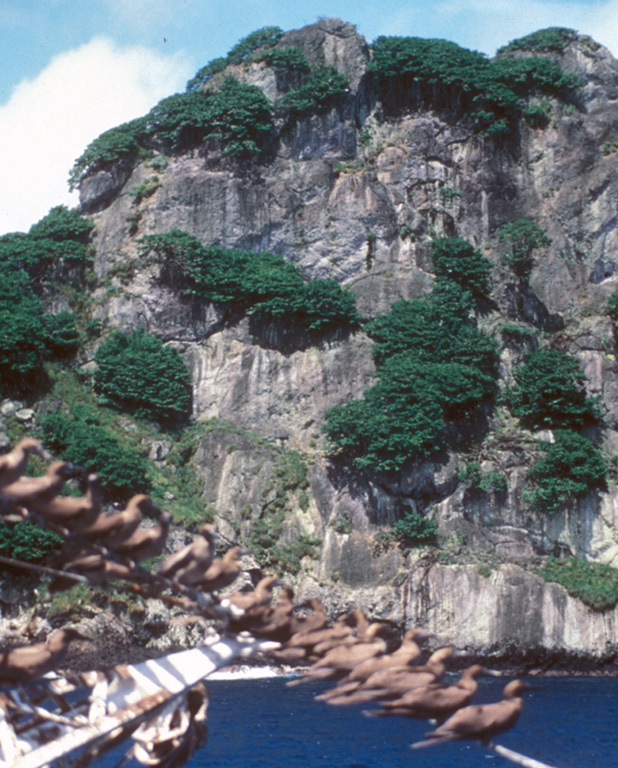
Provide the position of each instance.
(356, 193)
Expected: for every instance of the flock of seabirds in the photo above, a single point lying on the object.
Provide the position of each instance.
(101, 547)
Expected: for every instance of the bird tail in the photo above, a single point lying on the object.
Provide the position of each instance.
(429, 742)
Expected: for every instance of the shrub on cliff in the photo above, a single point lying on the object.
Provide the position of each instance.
(137, 373)
(80, 438)
(27, 541)
(290, 59)
(521, 238)
(569, 468)
(239, 115)
(22, 331)
(412, 529)
(60, 237)
(263, 38)
(434, 365)
(594, 584)
(438, 74)
(438, 327)
(120, 143)
(320, 92)
(612, 306)
(262, 284)
(458, 260)
(548, 39)
(549, 393)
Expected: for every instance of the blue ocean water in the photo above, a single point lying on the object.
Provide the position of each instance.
(566, 722)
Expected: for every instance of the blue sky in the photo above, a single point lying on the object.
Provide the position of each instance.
(70, 69)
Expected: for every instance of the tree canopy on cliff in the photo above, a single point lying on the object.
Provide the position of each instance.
(414, 71)
(433, 366)
(263, 284)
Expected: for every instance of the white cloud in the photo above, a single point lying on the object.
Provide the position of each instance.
(48, 121)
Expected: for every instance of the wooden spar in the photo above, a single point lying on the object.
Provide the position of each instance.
(136, 694)
(76, 577)
(516, 757)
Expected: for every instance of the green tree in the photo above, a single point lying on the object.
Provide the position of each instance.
(522, 238)
(122, 143)
(141, 375)
(22, 332)
(569, 468)
(549, 392)
(459, 261)
(80, 438)
(413, 529)
(549, 39)
(320, 92)
(27, 541)
(62, 224)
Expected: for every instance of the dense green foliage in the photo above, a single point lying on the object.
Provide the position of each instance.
(320, 92)
(438, 327)
(290, 59)
(521, 237)
(549, 392)
(22, 331)
(569, 467)
(237, 114)
(27, 541)
(486, 481)
(140, 375)
(266, 37)
(438, 74)
(458, 260)
(61, 237)
(120, 143)
(263, 284)
(433, 365)
(28, 336)
(62, 224)
(81, 439)
(413, 529)
(549, 39)
(612, 306)
(594, 584)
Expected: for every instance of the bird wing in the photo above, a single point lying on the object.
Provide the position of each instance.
(175, 561)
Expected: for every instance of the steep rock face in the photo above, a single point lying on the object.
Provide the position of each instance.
(362, 208)
(507, 612)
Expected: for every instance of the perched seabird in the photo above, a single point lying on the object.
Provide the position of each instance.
(480, 722)
(13, 464)
(393, 682)
(222, 573)
(19, 665)
(74, 513)
(315, 620)
(189, 565)
(32, 492)
(146, 542)
(343, 659)
(257, 600)
(111, 530)
(276, 624)
(435, 701)
(406, 655)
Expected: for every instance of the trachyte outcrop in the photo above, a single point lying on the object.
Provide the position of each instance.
(356, 195)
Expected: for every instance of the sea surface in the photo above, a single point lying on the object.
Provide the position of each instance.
(566, 722)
